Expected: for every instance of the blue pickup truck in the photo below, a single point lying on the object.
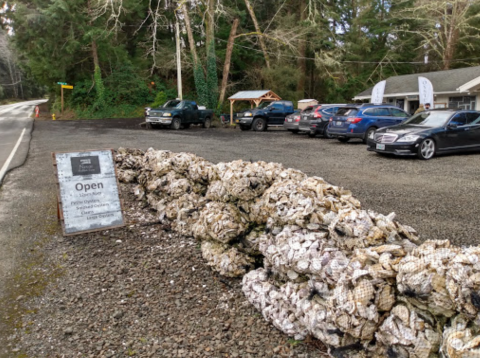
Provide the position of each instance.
(268, 114)
(176, 114)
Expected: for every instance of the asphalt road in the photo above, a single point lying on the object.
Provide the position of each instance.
(15, 128)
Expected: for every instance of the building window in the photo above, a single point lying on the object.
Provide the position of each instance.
(463, 102)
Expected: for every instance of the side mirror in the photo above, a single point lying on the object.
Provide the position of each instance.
(270, 109)
(452, 126)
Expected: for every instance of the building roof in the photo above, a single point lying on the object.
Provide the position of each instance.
(449, 81)
(246, 95)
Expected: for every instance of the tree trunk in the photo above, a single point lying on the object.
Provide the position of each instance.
(302, 49)
(12, 78)
(96, 63)
(257, 29)
(228, 57)
(210, 22)
(191, 40)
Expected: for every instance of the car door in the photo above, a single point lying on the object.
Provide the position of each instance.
(187, 113)
(384, 117)
(398, 116)
(473, 129)
(456, 132)
(276, 114)
(195, 114)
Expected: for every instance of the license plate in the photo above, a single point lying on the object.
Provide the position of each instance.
(238, 121)
(381, 146)
(289, 119)
(339, 123)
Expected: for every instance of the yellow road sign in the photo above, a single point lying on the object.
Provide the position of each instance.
(67, 87)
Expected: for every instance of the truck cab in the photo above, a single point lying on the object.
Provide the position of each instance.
(267, 114)
(176, 114)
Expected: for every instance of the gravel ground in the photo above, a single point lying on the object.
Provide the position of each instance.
(111, 293)
(141, 291)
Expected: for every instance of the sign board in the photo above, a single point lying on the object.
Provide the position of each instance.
(88, 191)
(67, 87)
(62, 83)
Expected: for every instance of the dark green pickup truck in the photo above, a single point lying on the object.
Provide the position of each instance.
(176, 114)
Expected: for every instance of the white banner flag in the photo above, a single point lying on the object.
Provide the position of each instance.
(377, 92)
(425, 91)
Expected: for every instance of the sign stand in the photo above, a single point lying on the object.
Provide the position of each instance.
(87, 189)
(62, 86)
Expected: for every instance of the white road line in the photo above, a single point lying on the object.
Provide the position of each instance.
(3, 171)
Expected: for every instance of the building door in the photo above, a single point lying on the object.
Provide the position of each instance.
(413, 106)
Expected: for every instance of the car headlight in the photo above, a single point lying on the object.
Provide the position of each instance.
(147, 112)
(408, 138)
(167, 114)
(248, 114)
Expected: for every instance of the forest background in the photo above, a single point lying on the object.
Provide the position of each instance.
(120, 55)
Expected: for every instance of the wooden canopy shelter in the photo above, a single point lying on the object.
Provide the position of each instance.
(254, 97)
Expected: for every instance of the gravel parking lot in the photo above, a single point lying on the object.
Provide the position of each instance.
(66, 305)
(439, 197)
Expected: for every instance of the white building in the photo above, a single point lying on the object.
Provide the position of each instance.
(458, 88)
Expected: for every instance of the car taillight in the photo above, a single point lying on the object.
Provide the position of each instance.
(297, 118)
(317, 115)
(354, 120)
(331, 119)
(314, 126)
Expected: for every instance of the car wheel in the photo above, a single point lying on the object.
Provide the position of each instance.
(312, 134)
(294, 131)
(426, 149)
(244, 128)
(370, 133)
(343, 139)
(149, 125)
(176, 123)
(186, 125)
(259, 125)
(207, 123)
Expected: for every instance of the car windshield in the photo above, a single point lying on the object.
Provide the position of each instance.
(264, 104)
(429, 119)
(170, 104)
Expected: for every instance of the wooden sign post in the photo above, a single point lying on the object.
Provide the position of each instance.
(66, 86)
(88, 195)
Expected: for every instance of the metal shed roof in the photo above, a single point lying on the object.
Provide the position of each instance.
(442, 81)
(251, 94)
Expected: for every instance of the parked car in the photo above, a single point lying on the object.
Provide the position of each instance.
(268, 114)
(361, 121)
(168, 104)
(315, 119)
(175, 114)
(430, 132)
(292, 121)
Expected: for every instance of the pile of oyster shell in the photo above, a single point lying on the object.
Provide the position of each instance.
(312, 261)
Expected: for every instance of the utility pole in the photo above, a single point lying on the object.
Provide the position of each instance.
(179, 62)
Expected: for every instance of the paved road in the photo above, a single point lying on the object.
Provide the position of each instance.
(15, 128)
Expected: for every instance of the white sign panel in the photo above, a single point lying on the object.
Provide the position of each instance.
(425, 90)
(377, 92)
(88, 191)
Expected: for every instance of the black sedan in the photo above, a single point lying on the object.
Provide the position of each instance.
(428, 133)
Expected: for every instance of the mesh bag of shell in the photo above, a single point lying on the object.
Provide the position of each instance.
(354, 279)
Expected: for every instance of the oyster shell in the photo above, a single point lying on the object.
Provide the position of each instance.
(226, 260)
